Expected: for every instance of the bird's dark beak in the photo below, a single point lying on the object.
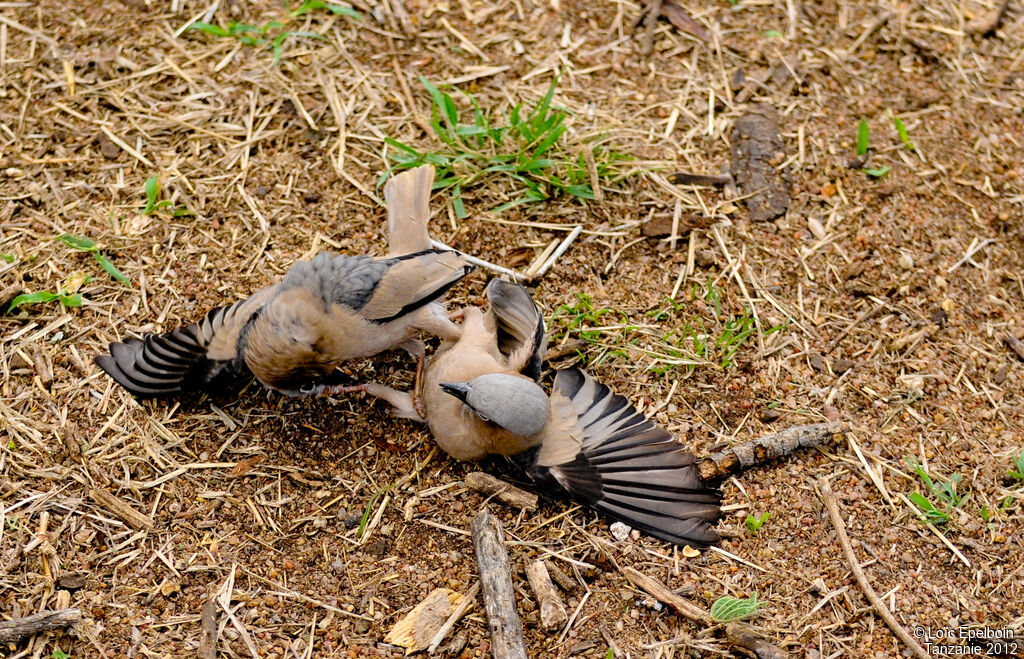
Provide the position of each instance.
(458, 389)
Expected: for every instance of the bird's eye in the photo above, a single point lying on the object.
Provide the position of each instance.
(483, 417)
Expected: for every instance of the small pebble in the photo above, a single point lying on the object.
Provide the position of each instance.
(619, 531)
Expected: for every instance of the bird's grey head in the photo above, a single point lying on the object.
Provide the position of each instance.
(515, 403)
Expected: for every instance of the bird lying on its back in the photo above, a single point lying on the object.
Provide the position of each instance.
(482, 397)
(293, 335)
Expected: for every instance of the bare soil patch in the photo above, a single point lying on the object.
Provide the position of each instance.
(882, 300)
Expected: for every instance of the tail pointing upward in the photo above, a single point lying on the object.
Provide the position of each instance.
(408, 198)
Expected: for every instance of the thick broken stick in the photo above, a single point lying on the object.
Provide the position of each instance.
(502, 491)
(552, 610)
(766, 448)
(880, 608)
(661, 592)
(496, 585)
(12, 631)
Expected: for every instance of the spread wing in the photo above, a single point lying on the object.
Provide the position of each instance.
(623, 465)
(189, 358)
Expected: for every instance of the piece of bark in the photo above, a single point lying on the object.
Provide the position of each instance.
(744, 637)
(829, 499)
(678, 16)
(989, 22)
(661, 225)
(662, 593)
(496, 586)
(552, 610)
(120, 508)
(12, 631)
(741, 457)
(460, 610)
(562, 579)
(686, 178)
(8, 294)
(416, 630)
(500, 490)
(756, 150)
(208, 631)
(568, 348)
(1015, 344)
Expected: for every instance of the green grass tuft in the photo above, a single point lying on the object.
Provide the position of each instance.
(527, 148)
(945, 492)
(1017, 472)
(43, 297)
(901, 130)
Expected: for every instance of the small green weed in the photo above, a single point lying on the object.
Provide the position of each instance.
(84, 244)
(155, 204)
(731, 609)
(273, 35)
(1017, 472)
(38, 297)
(525, 148)
(59, 654)
(9, 258)
(754, 524)
(945, 493)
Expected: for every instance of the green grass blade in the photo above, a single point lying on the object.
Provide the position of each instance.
(863, 137)
(877, 172)
(81, 243)
(31, 298)
(152, 189)
(901, 130)
(71, 300)
(109, 268)
(209, 28)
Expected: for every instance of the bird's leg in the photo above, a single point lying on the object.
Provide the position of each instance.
(416, 348)
(402, 404)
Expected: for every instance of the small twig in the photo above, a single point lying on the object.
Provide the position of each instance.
(552, 610)
(120, 508)
(686, 178)
(208, 631)
(12, 631)
(467, 601)
(496, 585)
(502, 491)
(650, 25)
(829, 500)
(567, 348)
(768, 447)
(562, 247)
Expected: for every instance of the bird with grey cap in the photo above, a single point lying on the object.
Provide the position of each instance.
(482, 396)
(293, 335)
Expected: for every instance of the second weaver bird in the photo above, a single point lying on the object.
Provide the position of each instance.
(482, 396)
(293, 335)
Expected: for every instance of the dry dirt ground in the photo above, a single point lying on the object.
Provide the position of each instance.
(882, 301)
